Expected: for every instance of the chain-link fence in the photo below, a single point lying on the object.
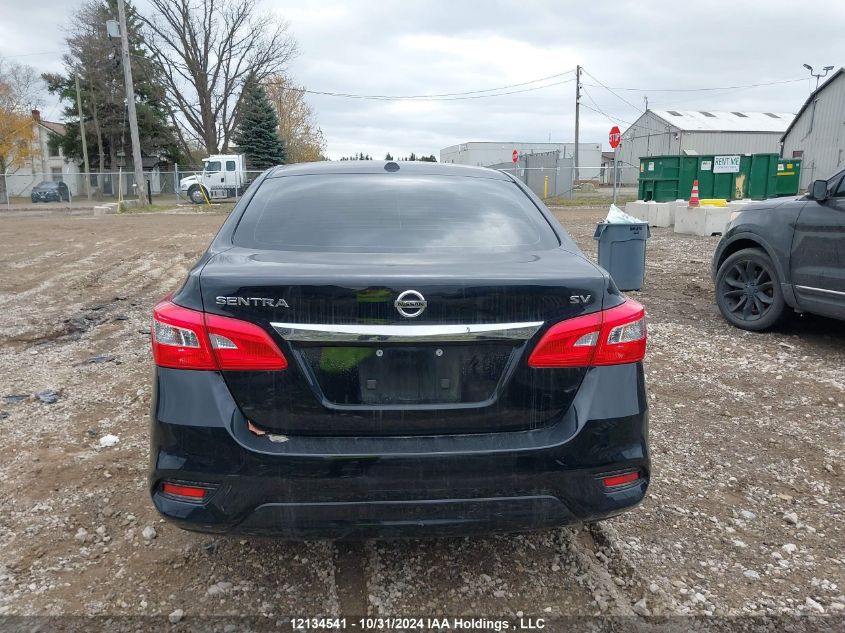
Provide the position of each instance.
(176, 185)
(548, 174)
(552, 176)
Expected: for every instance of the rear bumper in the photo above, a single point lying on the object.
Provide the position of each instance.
(360, 487)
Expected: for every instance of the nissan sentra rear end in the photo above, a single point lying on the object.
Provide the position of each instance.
(369, 350)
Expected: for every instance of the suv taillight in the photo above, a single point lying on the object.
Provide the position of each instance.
(609, 337)
(187, 339)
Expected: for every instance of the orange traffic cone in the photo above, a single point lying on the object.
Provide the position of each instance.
(693, 197)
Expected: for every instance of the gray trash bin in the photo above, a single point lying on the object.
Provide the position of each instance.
(622, 252)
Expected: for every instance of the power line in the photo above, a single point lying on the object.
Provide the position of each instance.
(768, 83)
(637, 108)
(375, 98)
(612, 119)
(453, 96)
(31, 54)
(598, 110)
(386, 98)
(672, 101)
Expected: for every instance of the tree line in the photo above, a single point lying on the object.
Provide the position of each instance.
(410, 157)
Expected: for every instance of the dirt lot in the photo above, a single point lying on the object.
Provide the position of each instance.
(744, 516)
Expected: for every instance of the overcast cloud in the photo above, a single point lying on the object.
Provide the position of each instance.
(395, 47)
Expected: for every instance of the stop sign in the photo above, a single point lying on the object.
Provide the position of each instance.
(515, 156)
(614, 137)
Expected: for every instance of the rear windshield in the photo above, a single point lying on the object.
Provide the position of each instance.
(379, 213)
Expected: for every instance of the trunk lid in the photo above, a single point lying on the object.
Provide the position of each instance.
(358, 366)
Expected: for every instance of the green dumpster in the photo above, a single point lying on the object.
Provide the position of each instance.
(728, 176)
(786, 177)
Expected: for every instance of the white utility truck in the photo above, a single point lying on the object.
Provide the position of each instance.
(223, 176)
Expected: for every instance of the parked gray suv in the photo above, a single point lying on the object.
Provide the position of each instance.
(785, 252)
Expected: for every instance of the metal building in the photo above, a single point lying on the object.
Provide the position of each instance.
(817, 134)
(662, 132)
(547, 174)
(484, 154)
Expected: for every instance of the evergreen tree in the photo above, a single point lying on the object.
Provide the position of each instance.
(388, 156)
(257, 134)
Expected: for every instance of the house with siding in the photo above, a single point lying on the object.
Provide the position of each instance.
(45, 163)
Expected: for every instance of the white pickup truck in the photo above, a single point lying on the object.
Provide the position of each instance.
(223, 176)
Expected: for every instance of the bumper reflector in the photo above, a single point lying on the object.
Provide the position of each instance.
(194, 493)
(620, 480)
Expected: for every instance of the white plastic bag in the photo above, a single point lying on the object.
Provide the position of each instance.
(618, 216)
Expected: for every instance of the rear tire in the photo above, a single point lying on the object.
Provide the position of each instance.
(198, 194)
(748, 291)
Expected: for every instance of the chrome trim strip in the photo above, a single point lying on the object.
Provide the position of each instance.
(822, 290)
(319, 332)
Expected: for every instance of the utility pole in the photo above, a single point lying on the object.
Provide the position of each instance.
(140, 185)
(84, 140)
(577, 113)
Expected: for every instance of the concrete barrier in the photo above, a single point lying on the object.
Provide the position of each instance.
(663, 213)
(655, 213)
(703, 221)
(104, 209)
(638, 209)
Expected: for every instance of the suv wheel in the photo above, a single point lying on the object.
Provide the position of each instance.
(748, 290)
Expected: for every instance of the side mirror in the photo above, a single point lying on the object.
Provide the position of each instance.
(818, 190)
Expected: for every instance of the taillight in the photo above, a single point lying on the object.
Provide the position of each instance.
(624, 479)
(187, 492)
(241, 345)
(610, 337)
(187, 339)
(179, 339)
(180, 490)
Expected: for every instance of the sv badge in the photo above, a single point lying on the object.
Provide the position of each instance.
(580, 298)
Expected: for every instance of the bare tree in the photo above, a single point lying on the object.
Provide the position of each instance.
(207, 50)
(297, 121)
(18, 90)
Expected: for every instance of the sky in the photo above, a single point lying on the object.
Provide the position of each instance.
(395, 47)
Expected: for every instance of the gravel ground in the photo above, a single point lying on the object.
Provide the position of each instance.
(744, 516)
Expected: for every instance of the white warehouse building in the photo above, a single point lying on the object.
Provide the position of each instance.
(691, 132)
(817, 135)
(484, 154)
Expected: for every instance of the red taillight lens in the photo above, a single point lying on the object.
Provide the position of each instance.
(193, 493)
(570, 343)
(179, 339)
(623, 335)
(620, 480)
(610, 337)
(240, 345)
(187, 339)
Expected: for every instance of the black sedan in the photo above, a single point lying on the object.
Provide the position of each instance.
(784, 254)
(50, 191)
(376, 349)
